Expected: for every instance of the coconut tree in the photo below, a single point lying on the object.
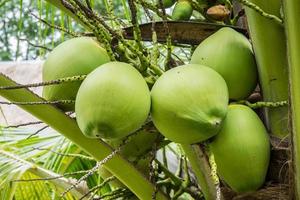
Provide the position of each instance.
(66, 164)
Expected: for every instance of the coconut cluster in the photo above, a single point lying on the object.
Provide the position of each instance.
(187, 104)
(183, 10)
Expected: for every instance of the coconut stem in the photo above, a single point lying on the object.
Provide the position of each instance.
(268, 41)
(263, 104)
(201, 168)
(291, 16)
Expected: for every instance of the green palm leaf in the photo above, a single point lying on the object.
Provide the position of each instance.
(23, 158)
(14, 172)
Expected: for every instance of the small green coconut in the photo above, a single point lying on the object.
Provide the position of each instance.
(138, 145)
(183, 10)
(137, 150)
(142, 165)
(77, 56)
(242, 149)
(189, 103)
(230, 54)
(167, 3)
(112, 102)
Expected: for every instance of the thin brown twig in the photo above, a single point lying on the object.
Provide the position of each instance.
(3, 115)
(35, 45)
(37, 132)
(55, 26)
(24, 124)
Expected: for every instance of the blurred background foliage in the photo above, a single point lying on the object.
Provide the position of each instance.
(24, 37)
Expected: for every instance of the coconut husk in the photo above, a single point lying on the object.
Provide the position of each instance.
(280, 161)
(272, 192)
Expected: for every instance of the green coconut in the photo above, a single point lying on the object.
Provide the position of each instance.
(137, 150)
(142, 165)
(112, 102)
(167, 3)
(189, 103)
(77, 56)
(138, 145)
(183, 10)
(242, 150)
(230, 54)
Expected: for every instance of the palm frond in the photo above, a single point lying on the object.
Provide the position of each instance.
(17, 177)
(49, 150)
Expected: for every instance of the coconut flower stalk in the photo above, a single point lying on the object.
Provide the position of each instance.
(291, 16)
(59, 5)
(268, 39)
